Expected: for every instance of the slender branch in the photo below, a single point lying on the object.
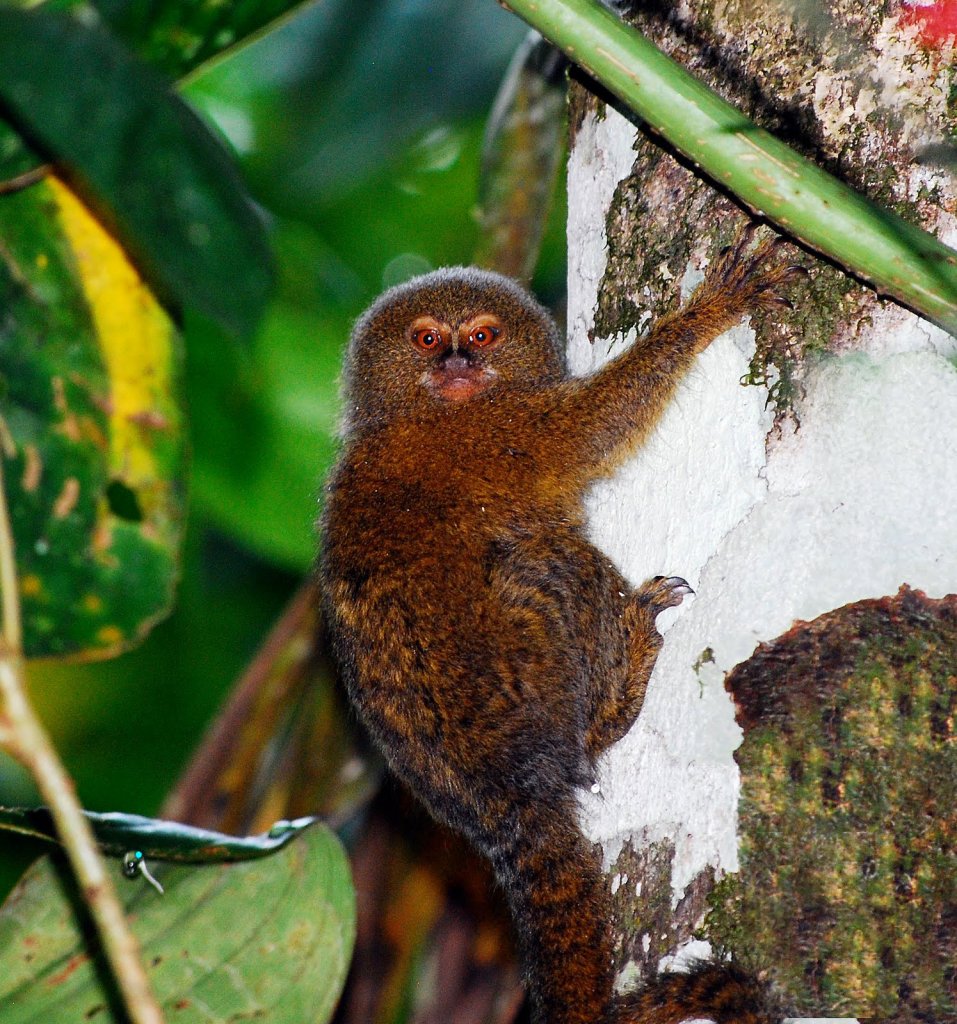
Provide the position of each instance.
(24, 180)
(898, 258)
(24, 737)
(9, 588)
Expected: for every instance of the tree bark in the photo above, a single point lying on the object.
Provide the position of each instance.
(803, 481)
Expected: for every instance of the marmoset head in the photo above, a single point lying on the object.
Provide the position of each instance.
(445, 338)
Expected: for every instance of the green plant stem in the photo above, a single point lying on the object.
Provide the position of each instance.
(898, 258)
(23, 737)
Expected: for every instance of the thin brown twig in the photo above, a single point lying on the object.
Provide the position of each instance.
(25, 180)
(23, 736)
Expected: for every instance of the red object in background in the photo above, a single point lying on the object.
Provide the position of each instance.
(937, 21)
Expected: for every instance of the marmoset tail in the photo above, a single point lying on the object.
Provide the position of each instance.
(490, 648)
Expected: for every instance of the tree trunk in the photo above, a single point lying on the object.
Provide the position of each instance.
(804, 481)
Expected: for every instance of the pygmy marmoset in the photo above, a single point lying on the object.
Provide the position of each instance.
(490, 648)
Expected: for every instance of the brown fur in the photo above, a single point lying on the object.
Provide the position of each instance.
(492, 651)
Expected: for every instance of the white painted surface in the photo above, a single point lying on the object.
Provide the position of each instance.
(602, 156)
(768, 528)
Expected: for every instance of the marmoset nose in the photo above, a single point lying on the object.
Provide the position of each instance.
(456, 362)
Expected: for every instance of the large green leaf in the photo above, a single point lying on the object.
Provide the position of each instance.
(178, 39)
(79, 96)
(266, 940)
(89, 367)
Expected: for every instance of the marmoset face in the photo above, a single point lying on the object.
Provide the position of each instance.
(444, 339)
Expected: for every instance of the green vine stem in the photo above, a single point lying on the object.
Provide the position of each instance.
(898, 258)
(24, 738)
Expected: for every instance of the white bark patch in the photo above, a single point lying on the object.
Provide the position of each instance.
(904, 82)
(602, 156)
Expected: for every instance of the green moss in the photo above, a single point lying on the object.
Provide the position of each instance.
(951, 108)
(848, 828)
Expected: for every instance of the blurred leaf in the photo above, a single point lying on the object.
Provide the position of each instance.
(89, 367)
(268, 940)
(433, 941)
(285, 744)
(264, 423)
(524, 148)
(81, 98)
(354, 90)
(179, 37)
(116, 833)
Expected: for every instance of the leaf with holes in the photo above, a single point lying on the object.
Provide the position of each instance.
(266, 940)
(91, 428)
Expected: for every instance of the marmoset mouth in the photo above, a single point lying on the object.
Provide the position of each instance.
(457, 379)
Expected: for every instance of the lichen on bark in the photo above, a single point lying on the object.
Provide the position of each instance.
(847, 891)
(849, 87)
(651, 925)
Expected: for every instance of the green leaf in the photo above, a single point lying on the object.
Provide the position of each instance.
(91, 428)
(180, 37)
(265, 940)
(79, 96)
(177, 39)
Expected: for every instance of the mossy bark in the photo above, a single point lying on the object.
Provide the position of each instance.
(852, 87)
(847, 893)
